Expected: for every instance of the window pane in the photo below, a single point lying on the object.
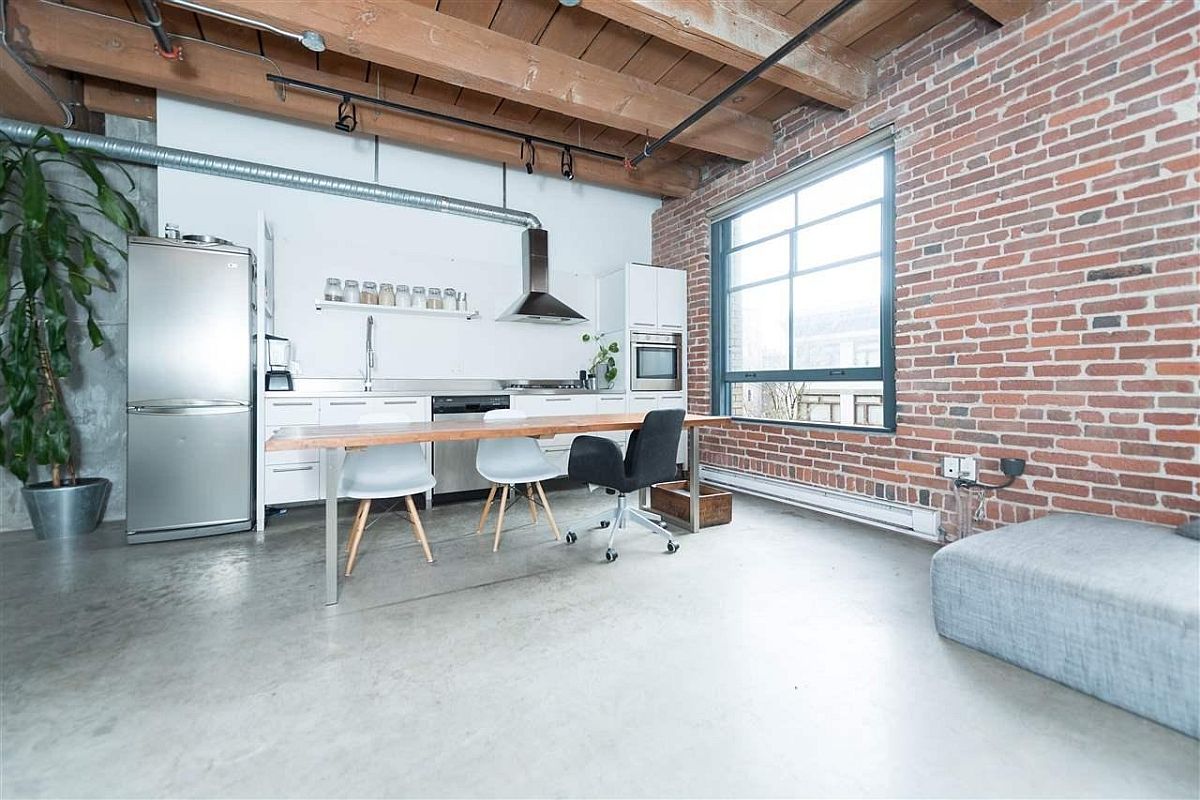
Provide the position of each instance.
(766, 260)
(771, 218)
(847, 189)
(758, 328)
(857, 403)
(847, 236)
(836, 320)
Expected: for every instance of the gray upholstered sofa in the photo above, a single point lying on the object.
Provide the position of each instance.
(1106, 606)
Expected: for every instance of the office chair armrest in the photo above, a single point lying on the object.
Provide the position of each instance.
(597, 460)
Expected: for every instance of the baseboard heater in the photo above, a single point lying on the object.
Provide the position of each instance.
(898, 517)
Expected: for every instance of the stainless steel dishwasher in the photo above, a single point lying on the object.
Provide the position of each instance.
(454, 462)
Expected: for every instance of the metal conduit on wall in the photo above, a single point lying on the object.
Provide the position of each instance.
(205, 164)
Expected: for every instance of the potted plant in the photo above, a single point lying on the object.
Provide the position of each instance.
(604, 364)
(50, 262)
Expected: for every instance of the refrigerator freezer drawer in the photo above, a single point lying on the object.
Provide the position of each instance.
(189, 470)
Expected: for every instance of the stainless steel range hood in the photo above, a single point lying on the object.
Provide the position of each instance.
(536, 304)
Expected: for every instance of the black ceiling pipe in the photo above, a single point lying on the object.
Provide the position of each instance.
(733, 88)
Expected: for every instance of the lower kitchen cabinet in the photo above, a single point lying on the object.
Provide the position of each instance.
(556, 448)
(297, 476)
(643, 402)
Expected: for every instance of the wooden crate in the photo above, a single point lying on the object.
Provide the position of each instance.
(716, 505)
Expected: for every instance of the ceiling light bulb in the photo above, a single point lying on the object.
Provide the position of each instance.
(569, 3)
(313, 41)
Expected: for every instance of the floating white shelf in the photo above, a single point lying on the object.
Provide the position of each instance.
(337, 305)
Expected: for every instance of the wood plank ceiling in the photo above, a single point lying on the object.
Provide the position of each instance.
(870, 29)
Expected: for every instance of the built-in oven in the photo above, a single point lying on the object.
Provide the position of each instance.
(655, 362)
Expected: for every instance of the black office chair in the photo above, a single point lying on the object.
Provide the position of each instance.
(649, 459)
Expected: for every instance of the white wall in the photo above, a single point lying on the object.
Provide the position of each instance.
(592, 230)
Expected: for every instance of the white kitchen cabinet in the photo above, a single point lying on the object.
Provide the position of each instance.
(643, 297)
(557, 448)
(295, 476)
(293, 483)
(671, 298)
(292, 411)
(676, 400)
(643, 402)
(613, 404)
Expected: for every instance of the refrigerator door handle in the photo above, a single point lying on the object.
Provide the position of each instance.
(191, 409)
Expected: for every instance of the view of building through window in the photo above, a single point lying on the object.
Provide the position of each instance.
(803, 277)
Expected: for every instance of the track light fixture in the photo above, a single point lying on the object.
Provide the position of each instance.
(568, 164)
(531, 159)
(347, 119)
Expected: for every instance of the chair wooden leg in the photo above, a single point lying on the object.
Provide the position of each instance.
(418, 528)
(500, 517)
(487, 509)
(356, 532)
(549, 513)
(532, 505)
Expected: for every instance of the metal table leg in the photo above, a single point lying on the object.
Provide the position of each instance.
(333, 472)
(694, 476)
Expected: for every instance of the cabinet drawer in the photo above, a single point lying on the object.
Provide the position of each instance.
(562, 406)
(291, 412)
(289, 456)
(293, 483)
(612, 404)
(415, 409)
(343, 410)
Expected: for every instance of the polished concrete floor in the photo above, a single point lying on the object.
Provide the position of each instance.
(789, 654)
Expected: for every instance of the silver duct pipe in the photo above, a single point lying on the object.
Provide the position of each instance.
(152, 155)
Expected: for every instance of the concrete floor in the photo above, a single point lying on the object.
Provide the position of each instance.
(789, 654)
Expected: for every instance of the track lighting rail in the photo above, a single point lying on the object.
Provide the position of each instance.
(527, 139)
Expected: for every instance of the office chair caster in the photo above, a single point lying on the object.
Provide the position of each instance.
(571, 537)
(672, 547)
(604, 523)
(610, 555)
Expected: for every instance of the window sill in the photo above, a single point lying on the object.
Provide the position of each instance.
(787, 423)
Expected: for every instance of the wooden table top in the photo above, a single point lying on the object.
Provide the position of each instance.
(309, 437)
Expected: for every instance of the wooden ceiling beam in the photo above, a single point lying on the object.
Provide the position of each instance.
(123, 51)
(1003, 11)
(24, 93)
(403, 35)
(113, 97)
(741, 34)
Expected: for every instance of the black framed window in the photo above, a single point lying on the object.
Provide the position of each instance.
(803, 293)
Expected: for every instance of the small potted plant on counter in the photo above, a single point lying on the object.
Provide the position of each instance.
(50, 262)
(604, 363)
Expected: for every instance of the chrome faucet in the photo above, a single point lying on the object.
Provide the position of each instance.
(368, 379)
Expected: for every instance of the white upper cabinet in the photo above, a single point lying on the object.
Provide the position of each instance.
(642, 293)
(672, 298)
(644, 297)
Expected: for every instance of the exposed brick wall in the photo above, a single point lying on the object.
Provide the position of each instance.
(1046, 266)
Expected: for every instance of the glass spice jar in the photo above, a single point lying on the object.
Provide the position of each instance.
(403, 296)
(370, 293)
(333, 289)
(387, 295)
(350, 294)
(418, 297)
(435, 300)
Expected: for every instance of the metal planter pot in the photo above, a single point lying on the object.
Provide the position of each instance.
(68, 510)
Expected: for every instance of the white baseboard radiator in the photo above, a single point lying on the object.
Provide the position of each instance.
(921, 522)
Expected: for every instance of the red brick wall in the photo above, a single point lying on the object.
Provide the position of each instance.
(1046, 266)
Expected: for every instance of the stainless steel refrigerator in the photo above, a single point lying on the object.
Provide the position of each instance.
(190, 400)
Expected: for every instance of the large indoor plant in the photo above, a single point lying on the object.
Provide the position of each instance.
(51, 261)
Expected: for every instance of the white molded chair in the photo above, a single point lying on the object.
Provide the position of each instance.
(508, 462)
(395, 470)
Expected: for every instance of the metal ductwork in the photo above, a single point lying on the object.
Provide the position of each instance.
(205, 164)
(536, 304)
